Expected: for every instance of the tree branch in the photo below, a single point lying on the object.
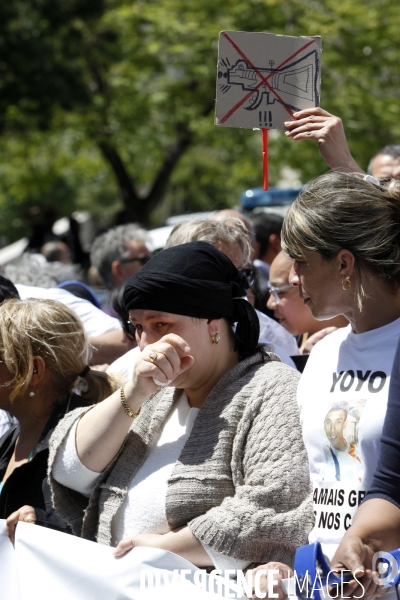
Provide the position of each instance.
(172, 156)
(127, 189)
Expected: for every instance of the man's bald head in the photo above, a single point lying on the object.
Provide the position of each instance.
(386, 162)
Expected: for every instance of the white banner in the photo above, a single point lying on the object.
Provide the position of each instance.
(45, 564)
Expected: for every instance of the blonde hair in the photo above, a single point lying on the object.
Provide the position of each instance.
(343, 211)
(227, 231)
(48, 329)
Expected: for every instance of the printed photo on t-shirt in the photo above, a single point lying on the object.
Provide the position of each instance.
(341, 441)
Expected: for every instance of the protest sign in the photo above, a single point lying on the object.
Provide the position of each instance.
(262, 78)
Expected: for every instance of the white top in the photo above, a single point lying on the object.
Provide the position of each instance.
(6, 422)
(342, 397)
(95, 321)
(144, 509)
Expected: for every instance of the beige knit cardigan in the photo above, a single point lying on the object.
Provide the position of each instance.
(241, 483)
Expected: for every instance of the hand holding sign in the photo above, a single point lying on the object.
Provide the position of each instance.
(327, 130)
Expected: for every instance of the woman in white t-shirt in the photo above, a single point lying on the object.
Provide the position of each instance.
(343, 234)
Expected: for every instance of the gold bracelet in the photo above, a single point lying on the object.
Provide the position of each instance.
(125, 406)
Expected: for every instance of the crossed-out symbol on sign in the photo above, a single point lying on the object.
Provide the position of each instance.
(264, 80)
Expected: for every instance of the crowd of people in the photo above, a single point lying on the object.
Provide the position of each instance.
(229, 398)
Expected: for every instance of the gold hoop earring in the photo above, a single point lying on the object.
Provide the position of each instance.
(346, 283)
(215, 338)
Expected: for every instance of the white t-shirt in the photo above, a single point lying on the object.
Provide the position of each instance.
(342, 397)
(6, 422)
(96, 321)
(143, 510)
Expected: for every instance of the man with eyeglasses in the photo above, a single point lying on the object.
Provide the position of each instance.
(119, 253)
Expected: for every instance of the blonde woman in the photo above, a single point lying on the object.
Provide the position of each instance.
(44, 356)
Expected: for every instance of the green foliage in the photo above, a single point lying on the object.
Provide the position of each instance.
(140, 75)
(41, 66)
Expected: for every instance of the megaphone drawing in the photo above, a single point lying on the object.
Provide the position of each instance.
(297, 80)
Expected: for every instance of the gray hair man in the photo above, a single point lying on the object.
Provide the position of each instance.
(119, 253)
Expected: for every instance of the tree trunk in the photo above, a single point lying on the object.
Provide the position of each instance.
(137, 208)
(128, 193)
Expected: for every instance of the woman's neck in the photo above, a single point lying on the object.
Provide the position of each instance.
(31, 428)
(381, 306)
(198, 395)
(339, 321)
(32, 414)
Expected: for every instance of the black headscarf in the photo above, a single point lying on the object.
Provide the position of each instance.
(196, 280)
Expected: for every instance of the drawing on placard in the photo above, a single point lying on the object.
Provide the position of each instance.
(263, 78)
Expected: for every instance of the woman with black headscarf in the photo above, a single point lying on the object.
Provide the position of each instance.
(201, 452)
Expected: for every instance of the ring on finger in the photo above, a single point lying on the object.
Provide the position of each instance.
(153, 356)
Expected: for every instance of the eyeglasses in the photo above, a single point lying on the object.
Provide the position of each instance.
(142, 259)
(276, 291)
(250, 274)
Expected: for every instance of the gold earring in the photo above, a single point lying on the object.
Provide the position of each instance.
(215, 338)
(346, 283)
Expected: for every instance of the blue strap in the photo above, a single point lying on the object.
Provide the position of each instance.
(313, 571)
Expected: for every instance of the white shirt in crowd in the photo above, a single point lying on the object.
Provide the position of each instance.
(95, 321)
(342, 397)
(144, 508)
(6, 422)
